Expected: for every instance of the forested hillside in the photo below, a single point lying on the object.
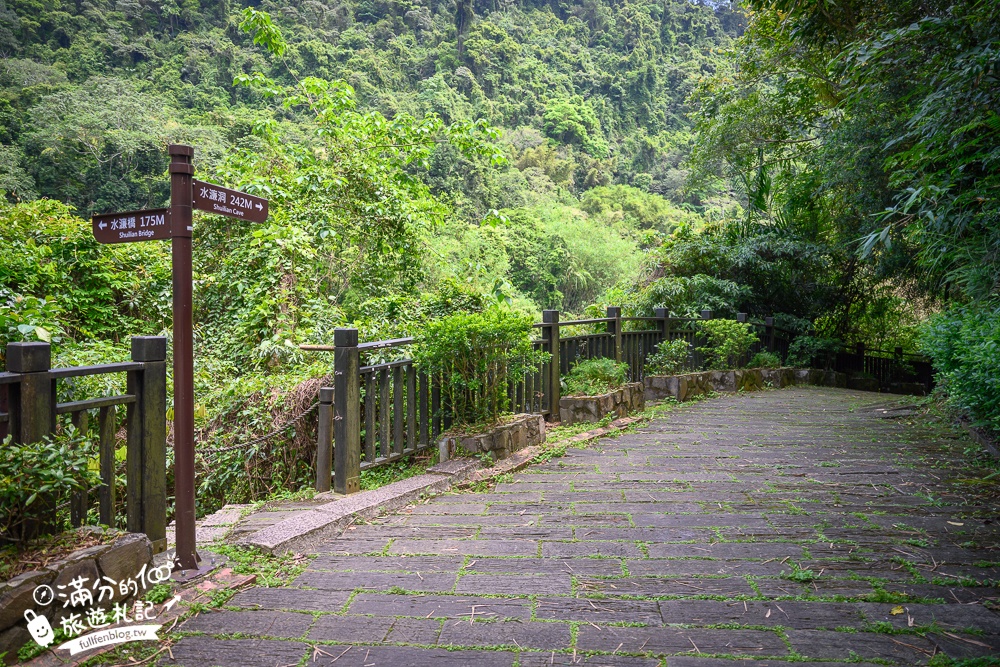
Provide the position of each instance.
(831, 164)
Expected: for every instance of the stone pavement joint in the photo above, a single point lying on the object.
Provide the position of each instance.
(803, 524)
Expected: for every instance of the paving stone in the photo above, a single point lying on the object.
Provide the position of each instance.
(748, 550)
(644, 534)
(569, 660)
(290, 598)
(729, 587)
(414, 631)
(515, 584)
(209, 652)
(787, 613)
(594, 567)
(903, 649)
(679, 661)
(379, 581)
(440, 606)
(525, 533)
(962, 646)
(420, 564)
(351, 629)
(947, 616)
(349, 547)
(466, 547)
(401, 656)
(689, 566)
(546, 636)
(667, 641)
(261, 623)
(610, 549)
(449, 508)
(950, 594)
(598, 611)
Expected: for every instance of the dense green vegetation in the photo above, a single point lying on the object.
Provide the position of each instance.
(833, 165)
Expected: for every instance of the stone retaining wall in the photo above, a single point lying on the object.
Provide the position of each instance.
(119, 561)
(620, 402)
(688, 386)
(523, 431)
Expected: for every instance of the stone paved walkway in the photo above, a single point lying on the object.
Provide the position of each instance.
(807, 523)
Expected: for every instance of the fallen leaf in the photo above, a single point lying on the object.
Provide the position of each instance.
(897, 610)
(956, 523)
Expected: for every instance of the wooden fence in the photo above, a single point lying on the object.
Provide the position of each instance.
(29, 411)
(387, 410)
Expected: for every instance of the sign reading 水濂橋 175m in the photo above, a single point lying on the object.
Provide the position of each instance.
(174, 223)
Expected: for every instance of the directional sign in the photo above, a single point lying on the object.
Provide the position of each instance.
(149, 225)
(223, 201)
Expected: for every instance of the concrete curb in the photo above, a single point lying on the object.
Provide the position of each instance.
(308, 529)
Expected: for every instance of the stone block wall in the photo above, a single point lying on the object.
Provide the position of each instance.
(118, 561)
(522, 431)
(686, 387)
(620, 402)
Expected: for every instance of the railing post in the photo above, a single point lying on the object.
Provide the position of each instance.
(324, 440)
(859, 349)
(741, 317)
(32, 404)
(346, 412)
(664, 316)
(146, 462)
(769, 333)
(550, 332)
(615, 327)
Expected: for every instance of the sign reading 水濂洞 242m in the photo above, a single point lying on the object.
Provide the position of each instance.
(233, 203)
(132, 226)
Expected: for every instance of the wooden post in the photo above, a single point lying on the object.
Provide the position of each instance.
(146, 462)
(324, 441)
(664, 316)
(32, 407)
(32, 404)
(550, 332)
(615, 327)
(80, 501)
(769, 333)
(346, 412)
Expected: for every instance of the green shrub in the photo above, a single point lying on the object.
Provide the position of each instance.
(964, 344)
(475, 355)
(765, 360)
(594, 376)
(806, 351)
(39, 476)
(727, 341)
(669, 358)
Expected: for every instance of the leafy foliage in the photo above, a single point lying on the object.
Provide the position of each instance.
(964, 344)
(37, 477)
(764, 360)
(726, 342)
(592, 377)
(812, 351)
(670, 357)
(474, 356)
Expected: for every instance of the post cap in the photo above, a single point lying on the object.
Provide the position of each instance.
(326, 394)
(180, 149)
(706, 314)
(769, 321)
(29, 357)
(614, 311)
(662, 313)
(149, 348)
(550, 316)
(345, 337)
(741, 317)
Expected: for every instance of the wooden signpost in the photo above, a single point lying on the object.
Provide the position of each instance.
(175, 223)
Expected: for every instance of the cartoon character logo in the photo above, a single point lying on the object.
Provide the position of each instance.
(39, 627)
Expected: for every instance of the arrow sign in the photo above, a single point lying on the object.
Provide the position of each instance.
(132, 226)
(223, 201)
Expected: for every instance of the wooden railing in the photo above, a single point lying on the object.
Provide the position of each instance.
(384, 411)
(29, 411)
